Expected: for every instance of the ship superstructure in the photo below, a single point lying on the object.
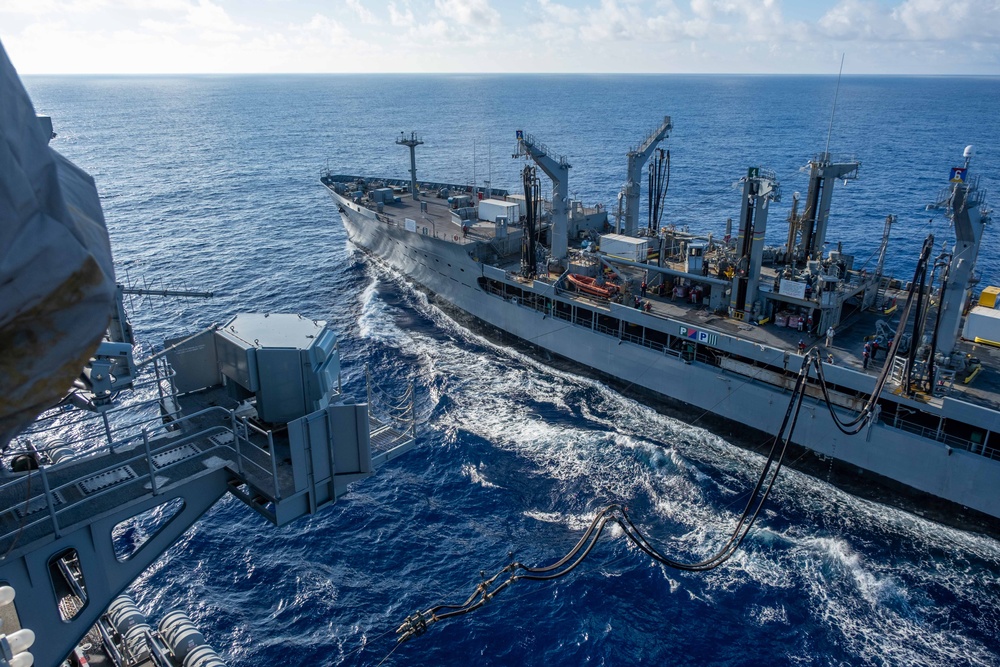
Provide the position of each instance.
(719, 322)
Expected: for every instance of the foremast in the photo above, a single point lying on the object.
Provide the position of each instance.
(412, 142)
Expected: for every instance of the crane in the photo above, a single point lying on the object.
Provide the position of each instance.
(636, 161)
(557, 169)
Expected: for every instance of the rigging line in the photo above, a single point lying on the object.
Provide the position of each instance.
(417, 623)
(482, 594)
(900, 330)
(666, 186)
(739, 533)
(870, 257)
(579, 543)
(417, 617)
(389, 654)
(548, 333)
(394, 398)
(363, 646)
(795, 401)
(384, 415)
(945, 274)
(390, 395)
(738, 497)
(526, 592)
(462, 585)
(399, 408)
(794, 405)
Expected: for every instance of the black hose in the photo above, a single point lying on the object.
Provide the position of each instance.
(417, 623)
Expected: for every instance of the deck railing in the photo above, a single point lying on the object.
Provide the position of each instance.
(625, 337)
(938, 435)
(51, 496)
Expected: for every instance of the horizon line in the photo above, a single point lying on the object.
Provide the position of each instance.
(527, 74)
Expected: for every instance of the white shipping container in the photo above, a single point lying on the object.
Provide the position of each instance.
(522, 204)
(626, 247)
(491, 209)
(982, 323)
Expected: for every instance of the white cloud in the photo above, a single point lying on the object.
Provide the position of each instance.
(362, 12)
(160, 27)
(447, 34)
(400, 19)
(209, 15)
(468, 12)
(560, 13)
(972, 20)
(703, 9)
(967, 21)
(52, 7)
(662, 22)
(905, 36)
(624, 20)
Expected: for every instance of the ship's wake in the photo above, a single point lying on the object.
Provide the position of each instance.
(516, 459)
(578, 445)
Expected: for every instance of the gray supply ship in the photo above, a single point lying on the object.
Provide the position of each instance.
(109, 453)
(722, 322)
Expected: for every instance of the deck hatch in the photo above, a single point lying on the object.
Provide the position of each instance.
(174, 455)
(106, 479)
(37, 504)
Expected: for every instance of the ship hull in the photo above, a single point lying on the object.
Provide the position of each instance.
(450, 272)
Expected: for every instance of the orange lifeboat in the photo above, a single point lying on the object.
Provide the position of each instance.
(589, 285)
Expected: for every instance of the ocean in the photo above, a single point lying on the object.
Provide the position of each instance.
(212, 183)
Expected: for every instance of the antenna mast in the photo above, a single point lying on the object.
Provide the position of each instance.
(412, 143)
(834, 110)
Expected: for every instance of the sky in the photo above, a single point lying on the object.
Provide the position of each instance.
(484, 36)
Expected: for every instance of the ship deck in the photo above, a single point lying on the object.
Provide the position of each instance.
(848, 342)
(437, 219)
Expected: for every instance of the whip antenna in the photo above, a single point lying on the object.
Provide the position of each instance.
(834, 111)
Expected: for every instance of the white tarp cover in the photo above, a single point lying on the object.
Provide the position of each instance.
(56, 275)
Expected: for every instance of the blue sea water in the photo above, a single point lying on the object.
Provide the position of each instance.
(211, 182)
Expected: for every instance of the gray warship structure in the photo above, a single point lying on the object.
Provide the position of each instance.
(110, 451)
(723, 323)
